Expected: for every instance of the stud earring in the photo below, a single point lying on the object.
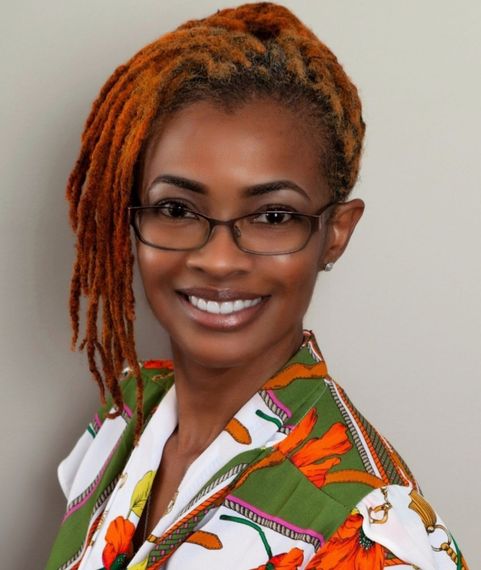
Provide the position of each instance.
(329, 266)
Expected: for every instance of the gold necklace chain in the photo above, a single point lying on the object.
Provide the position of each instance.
(170, 506)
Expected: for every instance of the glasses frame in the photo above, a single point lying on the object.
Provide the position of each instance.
(231, 224)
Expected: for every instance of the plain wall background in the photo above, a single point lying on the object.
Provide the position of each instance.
(399, 317)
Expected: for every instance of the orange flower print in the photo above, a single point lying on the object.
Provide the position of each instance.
(299, 434)
(309, 457)
(349, 548)
(315, 457)
(288, 561)
(159, 364)
(118, 549)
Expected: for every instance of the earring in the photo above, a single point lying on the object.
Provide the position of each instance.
(329, 266)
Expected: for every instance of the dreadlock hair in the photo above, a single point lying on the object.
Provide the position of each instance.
(258, 49)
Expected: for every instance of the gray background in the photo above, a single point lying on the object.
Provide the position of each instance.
(399, 318)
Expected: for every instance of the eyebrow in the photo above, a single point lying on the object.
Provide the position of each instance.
(254, 190)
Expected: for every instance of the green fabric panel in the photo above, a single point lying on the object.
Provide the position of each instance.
(285, 492)
(327, 507)
(302, 356)
(380, 449)
(247, 457)
(300, 395)
(328, 414)
(73, 531)
(348, 494)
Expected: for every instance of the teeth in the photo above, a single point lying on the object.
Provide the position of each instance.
(239, 305)
(213, 307)
(224, 308)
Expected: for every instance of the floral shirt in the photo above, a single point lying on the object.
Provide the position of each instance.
(298, 479)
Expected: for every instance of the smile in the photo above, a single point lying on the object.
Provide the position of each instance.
(223, 308)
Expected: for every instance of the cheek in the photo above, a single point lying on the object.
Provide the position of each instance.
(296, 275)
(156, 267)
(146, 264)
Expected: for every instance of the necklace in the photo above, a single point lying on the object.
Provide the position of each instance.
(170, 506)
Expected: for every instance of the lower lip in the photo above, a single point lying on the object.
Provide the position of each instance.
(232, 321)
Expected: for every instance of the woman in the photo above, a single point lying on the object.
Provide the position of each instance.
(230, 146)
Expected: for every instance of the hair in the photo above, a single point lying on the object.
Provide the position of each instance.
(259, 49)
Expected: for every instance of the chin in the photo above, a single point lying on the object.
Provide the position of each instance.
(219, 349)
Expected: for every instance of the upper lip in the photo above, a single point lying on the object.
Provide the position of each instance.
(218, 294)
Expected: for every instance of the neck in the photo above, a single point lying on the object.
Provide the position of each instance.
(208, 397)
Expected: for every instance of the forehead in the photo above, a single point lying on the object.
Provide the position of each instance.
(261, 140)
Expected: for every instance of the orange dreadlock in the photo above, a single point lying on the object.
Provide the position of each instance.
(255, 49)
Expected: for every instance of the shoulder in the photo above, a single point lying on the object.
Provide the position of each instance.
(334, 417)
(157, 376)
(97, 444)
(338, 450)
(387, 520)
(371, 452)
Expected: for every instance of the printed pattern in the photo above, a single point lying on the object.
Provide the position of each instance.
(273, 523)
(298, 479)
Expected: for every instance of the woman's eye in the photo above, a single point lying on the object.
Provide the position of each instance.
(273, 217)
(174, 209)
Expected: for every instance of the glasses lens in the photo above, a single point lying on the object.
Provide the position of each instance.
(172, 226)
(273, 232)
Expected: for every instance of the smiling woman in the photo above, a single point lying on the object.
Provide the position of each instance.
(230, 146)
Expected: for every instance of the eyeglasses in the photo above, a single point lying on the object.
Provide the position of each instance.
(172, 225)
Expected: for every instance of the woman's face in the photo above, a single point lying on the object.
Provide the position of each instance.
(220, 156)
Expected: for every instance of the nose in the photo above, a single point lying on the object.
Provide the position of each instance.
(220, 257)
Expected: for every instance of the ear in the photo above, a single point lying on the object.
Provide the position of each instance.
(339, 228)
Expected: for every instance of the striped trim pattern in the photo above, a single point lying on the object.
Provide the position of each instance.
(166, 545)
(97, 513)
(206, 490)
(377, 455)
(286, 429)
(274, 525)
(314, 349)
(177, 537)
(273, 407)
(356, 436)
(94, 425)
(76, 503)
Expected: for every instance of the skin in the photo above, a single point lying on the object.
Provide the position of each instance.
(217, 371)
